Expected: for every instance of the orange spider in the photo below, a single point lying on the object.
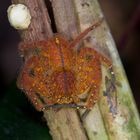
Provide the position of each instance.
(56, 75)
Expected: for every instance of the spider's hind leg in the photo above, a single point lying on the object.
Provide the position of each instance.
(85, 114)
(91, 101)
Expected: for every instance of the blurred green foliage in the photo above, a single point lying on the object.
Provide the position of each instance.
(19, 120)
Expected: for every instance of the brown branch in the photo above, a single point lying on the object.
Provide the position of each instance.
(65, 18)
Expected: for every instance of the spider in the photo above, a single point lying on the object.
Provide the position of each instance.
(56, 75)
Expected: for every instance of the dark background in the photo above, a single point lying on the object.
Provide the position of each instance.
(123, 17)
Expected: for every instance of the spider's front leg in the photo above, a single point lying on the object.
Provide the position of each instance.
(89, 76)
(93, 95)
(35, 100)
(92, 99)
(85, 32)
(29, 81)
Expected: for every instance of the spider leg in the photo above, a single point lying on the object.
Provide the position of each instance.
(57, 106)
(92, 99)
(37, 103)
(31, 82)
(85, 32)
(89, 77)
(105, 60)
(93, 96)
(85, 114)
